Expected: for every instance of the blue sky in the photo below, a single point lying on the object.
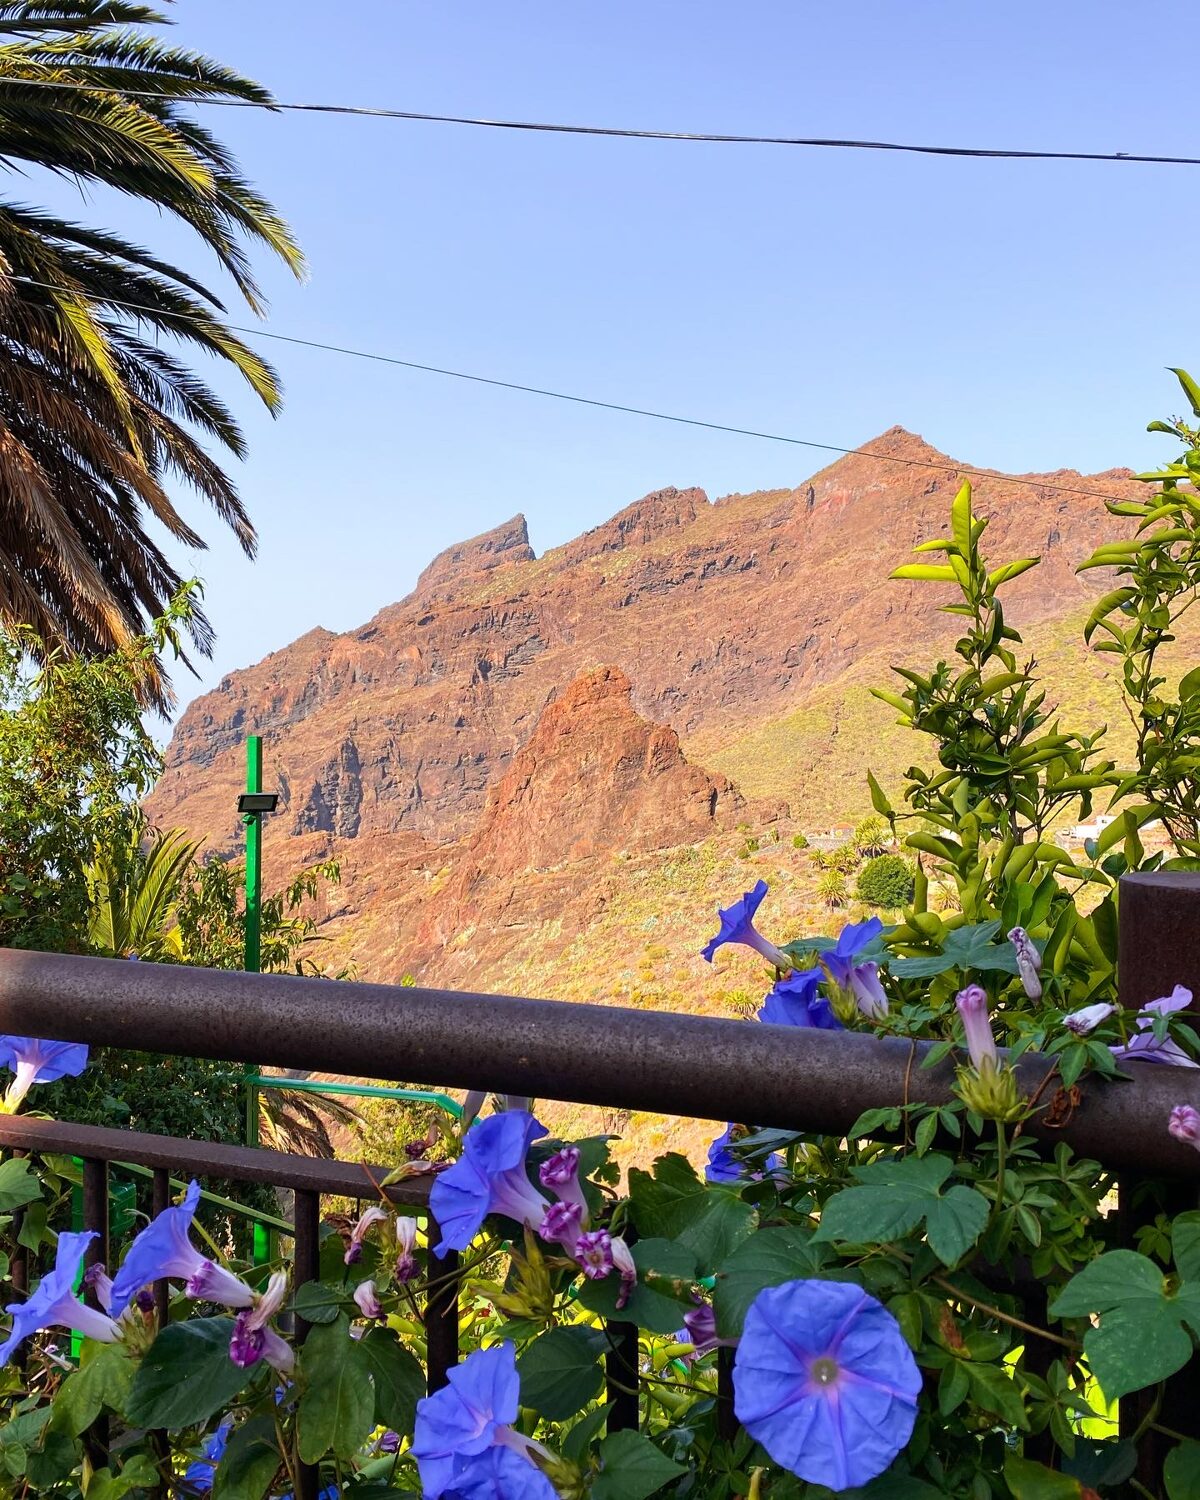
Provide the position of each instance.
(1017, 314)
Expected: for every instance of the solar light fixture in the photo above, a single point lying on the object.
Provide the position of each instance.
(258, 802)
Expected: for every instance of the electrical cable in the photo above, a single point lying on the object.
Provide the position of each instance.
(635, 411)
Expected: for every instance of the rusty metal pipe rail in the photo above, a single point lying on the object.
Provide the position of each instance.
(588, 1054)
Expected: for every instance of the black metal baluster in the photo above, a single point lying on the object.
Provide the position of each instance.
(160, 1198)
(621, 1365)
(306, 1267)
(95, 1217)
(727, 1422)
(441, 1314)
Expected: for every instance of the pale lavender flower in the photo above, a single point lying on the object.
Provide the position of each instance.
(624, 1263)
(1185, 1125)
(868, 992)
(1088, 1017)
(370, 1217)
(1029, 962)
(367, 1300)
(981, 1044)
(253, 1339)
(1144, 1046)
(406, 1239)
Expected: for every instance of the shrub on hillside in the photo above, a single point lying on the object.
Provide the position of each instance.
(885, 882)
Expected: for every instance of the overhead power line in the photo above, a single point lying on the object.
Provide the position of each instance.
(832, 143)
(1036, 482)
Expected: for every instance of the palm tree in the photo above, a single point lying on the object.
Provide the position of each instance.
(99, 408)
(133, 892)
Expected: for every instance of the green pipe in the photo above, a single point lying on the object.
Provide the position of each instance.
(255, 1215)
(356, 1090)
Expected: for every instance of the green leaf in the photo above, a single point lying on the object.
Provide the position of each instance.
(561, 1371)
(250, 1463)
(337, 1409)
(632, 1468)
(1032, 1481)
(964, 948)
(1181, 1472)
(1190, 389)
(658, 1307)
(879, 800)
(768, 1258)
(1140, 1339)
(318, 1302)
(138, 1474)
(186, 1376)
(18, 1184)
(104, 1380)
(993, 1388)
(925, 572)
(399, 1380)
(897, 1196)
(1185, 1245)
(577, 1439)
(674, 1204)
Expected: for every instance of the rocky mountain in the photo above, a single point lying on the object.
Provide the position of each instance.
(492, 756)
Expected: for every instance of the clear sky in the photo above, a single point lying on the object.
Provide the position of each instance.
(1017, 314)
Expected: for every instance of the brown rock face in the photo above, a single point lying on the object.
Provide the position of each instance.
(712, 615)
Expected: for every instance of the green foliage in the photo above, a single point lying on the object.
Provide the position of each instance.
(898, 1197)
(832, 889)
(885, 882)
(186, 1375)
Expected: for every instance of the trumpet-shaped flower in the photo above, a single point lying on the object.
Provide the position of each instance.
(824, 1380)
(1087, 1018)
(725, 1166)
(868, 992)
(253, 1338)
(560, 1173)
(625, 1266)
(406, 1240)
(561, 1225)
(794, 1001)
(164, 1249)
(593, 1251)
(198, 1477)
(354, 1250)
(1144, 1046)
(367, 1300)
(1184, 1125)
(54, 1303)
(842, 959)
(33, 1060)
(737, 926)
(488, 1178)
(981, 1044)
(459, 1427)
(1029, 962)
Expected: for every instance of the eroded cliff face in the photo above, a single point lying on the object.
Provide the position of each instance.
(520, 714)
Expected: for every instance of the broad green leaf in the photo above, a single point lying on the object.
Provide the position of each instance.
(562, 1370)
(1181, 1472)
(1095, 1464)
(186, 1376)
(1185, 1245)
(658, 1307)
(992, 1388)
(768, 1258)
(104, 1380)
(576, 1440)
(250, 1463)
(1033, 1481)
(896, 1197)
(399, 1380)
(318, 1302)
(18, 1184)
(674, 1204)
(632, 1468)
(337, 1409)
(964, 948)
(1190, 388)
(138, 1474)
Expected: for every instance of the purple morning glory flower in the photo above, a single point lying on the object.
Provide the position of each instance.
(560, 1173)
(1088, 1017)
(562, 1225)
(35, 1061)
(700, 1330)
(795, 1001)
(406, 1239)
(54, 1303)
(472, 1414)
(1184, 1125)
(724, 1166)
(842, 958)
(868, 992)
(372, 1215)
(593, 1251)
(164, 1249)
(1144, 1046)
(199, 1476)
(737, 926)
(824, 1380)
(981, 1044)
(488, 1178)
(253, 1337)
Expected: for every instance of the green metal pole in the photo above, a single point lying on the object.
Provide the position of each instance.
(253, 954)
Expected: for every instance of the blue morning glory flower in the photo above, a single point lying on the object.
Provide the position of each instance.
(488, 1178)
(724, 1166)
(842, 959)
(164, 1249)
(825, 1381)
(459, 1426)
(33, 1060)
(54, 1303)
(737, 926)
(795, 1001)
(199, 1475)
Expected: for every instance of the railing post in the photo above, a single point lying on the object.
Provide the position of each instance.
(1158, 946)
(441, 1314)
(306, 1267)
(95, 1217)
(621, 1368)
(727, 1422)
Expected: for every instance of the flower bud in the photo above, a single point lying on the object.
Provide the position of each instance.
(1185, 1125)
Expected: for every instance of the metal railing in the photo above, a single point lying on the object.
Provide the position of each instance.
(720, 1070)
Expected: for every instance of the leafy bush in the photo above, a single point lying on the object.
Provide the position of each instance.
(885, 882)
